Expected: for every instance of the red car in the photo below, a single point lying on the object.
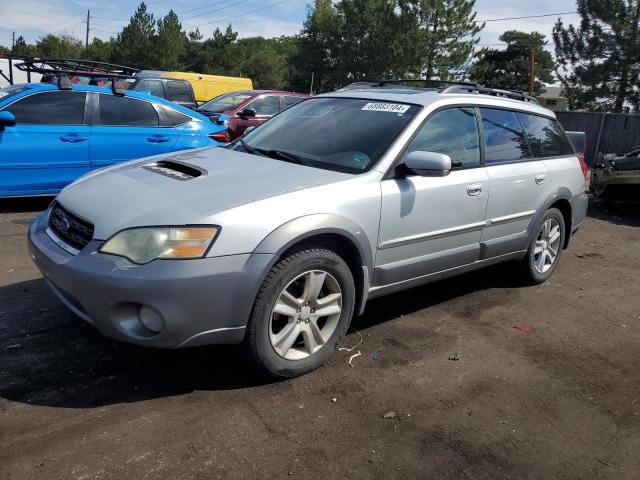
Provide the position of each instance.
(247, 108)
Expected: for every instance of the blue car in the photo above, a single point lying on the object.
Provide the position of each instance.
(50, 136)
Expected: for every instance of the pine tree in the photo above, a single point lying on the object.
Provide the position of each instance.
(599, 60)
(170, 43)
(447, 35)
(509, 68)
(316, 48)
(136, 42)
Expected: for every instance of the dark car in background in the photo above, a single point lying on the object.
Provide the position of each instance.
(248, 108)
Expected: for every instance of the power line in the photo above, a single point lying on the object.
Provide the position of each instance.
(523, 18)
(203, 7)
(240, 15)
(214, 11)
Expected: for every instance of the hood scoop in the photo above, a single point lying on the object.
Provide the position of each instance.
(176, 170)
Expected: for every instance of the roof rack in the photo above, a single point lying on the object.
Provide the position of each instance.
(444, 86)
(61, 69)
(84, 68)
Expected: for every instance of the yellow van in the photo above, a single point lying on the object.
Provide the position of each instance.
(206, 87)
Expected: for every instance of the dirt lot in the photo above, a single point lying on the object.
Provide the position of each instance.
(560, 402)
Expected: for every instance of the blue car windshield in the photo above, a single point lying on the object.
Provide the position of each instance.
(7, 92)
(343, 134)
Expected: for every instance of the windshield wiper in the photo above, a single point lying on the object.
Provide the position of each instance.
(286, 156)
(246, 146)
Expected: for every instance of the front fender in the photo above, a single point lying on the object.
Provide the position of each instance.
(302, 228)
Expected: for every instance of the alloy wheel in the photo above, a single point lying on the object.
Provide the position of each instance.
(547, 246)
(305, 315)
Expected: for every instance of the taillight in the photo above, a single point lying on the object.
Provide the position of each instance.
(220, 136)
(583, 166)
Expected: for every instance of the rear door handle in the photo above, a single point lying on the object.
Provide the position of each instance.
(72, 138)
(474, 190)
(158, 139)
(540, 179)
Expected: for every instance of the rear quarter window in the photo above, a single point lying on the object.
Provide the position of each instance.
(119, 111)
(546, 136)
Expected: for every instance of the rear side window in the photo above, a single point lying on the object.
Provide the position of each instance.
(546, 136)
(172, 118)
(50, 108)
(288, 101)
(504, 139)
(122, 111)
(453, 132)
(178, 92)
(153, 86)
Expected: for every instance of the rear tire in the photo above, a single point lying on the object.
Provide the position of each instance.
(302, 311)
(544, 252)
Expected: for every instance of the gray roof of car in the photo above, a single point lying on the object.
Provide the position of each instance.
(426, 97)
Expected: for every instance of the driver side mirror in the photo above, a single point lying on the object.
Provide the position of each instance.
(7, 119)
(428, 164)
(247, 113)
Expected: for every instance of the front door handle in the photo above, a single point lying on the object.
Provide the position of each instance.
(474, 190)
(72, 138)
(540, 179)
(158, 139)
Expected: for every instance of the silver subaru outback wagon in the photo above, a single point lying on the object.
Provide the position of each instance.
(278, 239)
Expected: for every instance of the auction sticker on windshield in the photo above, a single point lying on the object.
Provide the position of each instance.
(386, 107)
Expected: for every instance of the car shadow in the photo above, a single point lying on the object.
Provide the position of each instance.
(51, 358)
(616, 211)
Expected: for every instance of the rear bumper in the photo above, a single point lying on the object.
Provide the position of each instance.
(201, 302)
(579, 209)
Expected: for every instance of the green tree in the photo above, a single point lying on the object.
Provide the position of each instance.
(509, 68)
(21, 47)
(4, 50)
(371, 42)
(599, 60)
(99, 50)
(170, 44)
(59, 46)
(447, 33)
(316, 48)
(135, 44)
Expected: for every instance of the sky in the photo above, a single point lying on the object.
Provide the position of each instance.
(269, 18)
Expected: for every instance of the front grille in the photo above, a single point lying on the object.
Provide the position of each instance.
(70, 228)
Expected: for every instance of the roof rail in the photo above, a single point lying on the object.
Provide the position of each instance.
(444, 86)
(482, 90)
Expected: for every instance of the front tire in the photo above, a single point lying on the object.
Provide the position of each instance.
(545, 249)
(302, 311)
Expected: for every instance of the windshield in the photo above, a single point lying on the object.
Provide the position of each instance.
(343, 134)
(10, 91)
(225, 102)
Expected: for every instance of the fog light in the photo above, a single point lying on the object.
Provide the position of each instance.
(150, 319)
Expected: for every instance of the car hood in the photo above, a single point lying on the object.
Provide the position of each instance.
(140, 194)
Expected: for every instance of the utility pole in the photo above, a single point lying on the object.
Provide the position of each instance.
(311, 87)
(13, 40)
(532, 72)
(86, 40)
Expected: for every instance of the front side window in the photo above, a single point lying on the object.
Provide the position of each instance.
(225, 102)
(266, 106)
(343, 134)
(50, 108)
(153, 86)
(123, 111)
(453, 132)
(546, 136)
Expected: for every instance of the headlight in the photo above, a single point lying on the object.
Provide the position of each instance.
(142, 245)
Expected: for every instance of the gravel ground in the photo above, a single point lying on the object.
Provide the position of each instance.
(560, 402)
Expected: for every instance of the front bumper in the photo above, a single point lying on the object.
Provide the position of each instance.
(201, 302)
